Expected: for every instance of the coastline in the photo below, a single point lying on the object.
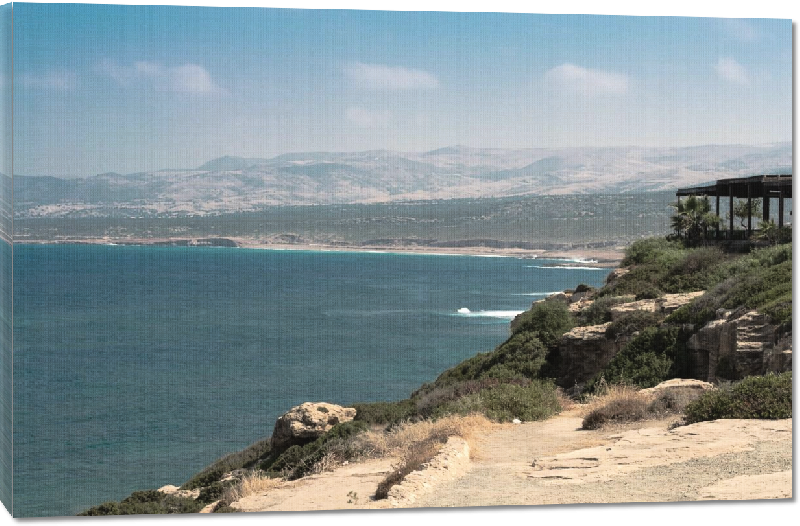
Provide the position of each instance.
(605, 257)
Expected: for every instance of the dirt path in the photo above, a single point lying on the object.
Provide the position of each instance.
(554, 462)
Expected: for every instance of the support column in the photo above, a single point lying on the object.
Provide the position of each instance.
(716, 234)
(749, 209)
(730, 212)
(765, 204)
(780, 209)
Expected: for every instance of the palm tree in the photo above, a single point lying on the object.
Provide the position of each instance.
(693, 217)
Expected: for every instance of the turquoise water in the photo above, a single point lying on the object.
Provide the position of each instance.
(137, 366)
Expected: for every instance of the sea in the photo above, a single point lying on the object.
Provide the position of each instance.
(137, 366)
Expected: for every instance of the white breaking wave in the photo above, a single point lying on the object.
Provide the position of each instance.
(574, 260)
(537, 293)
(565, 267)
(503, 314)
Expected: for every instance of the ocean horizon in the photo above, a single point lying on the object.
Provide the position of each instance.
(137, 366)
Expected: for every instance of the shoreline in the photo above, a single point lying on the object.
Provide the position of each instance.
(606, 257)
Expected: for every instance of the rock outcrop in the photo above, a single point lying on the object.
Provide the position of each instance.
(679, 383)
(738, 344)
(307, 422)
(619, 311)
(584, 351)
(669, 303)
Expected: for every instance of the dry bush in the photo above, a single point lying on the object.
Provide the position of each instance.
(250, 484)
(674, 400)
(564, 400)
(413, 460)
(620, 403)
(610, 393)
(404, 437)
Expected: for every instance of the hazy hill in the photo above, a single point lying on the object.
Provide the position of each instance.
(235, 184)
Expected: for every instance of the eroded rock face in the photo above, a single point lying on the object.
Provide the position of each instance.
(583, 352)
(307, 422)
(737, 345)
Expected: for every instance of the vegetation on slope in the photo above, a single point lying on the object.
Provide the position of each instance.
(516, 380)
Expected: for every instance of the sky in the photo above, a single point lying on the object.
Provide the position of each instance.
(139, 88)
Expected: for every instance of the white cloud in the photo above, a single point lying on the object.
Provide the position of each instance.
(62, 80)
(189, 78)
(368, 118)
(740, 29)
(732, 71)
(586, 80)
(379, 76)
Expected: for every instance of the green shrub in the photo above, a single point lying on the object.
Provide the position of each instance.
(435, 401)
(213, 492)
(599, 311)
(298, 461)
(146, 503)
(242, 459)
(631, 323)
(767, 397)
(635, 286)
(646, 360)
(521, 356)
(385, 412)
(549, 320)
(536, 401)
(650, 250)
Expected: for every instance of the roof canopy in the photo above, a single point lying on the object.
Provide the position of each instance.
(743, 187)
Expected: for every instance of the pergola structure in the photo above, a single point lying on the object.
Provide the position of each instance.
(764, 187)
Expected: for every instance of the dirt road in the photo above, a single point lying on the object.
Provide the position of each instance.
(555, 462)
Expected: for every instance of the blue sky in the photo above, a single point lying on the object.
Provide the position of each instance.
(134, 88)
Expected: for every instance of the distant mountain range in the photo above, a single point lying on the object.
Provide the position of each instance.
(236, 184)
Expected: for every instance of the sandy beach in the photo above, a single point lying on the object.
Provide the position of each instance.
(606, 257)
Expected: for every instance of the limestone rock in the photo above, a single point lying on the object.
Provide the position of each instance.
(169, 489)
(679, 383)
(308, 421)
(741, 343)
(579, 296)
(616, 274)
(618, 311)
(579, 305)
(669, 303)
(584, 351)
(558, 296)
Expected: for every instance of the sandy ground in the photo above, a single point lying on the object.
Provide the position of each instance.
(554, 462)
